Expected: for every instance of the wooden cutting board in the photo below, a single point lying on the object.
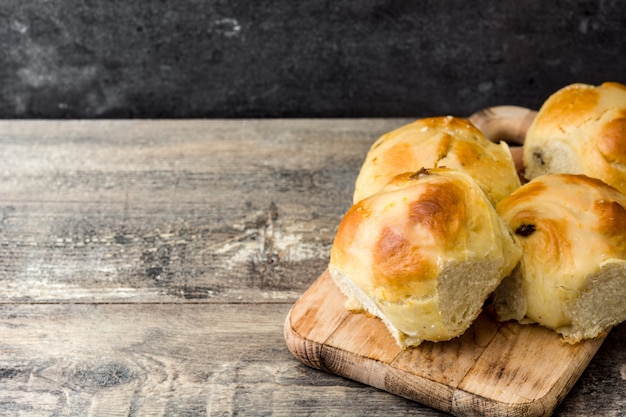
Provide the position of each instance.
(494, 369)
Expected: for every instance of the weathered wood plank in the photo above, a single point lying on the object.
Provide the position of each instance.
(157, 211)
(206, 359)
(163, 360)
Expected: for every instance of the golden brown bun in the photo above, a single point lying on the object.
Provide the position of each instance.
(423, 254)
(572, 275)
(580, 129)
(438, 142)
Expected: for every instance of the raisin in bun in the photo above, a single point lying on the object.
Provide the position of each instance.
(438, 142)
(572, 275)
(422, 254)
(580, 129)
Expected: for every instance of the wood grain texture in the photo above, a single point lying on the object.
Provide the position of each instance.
(165, 360)
(172, 211)
(493, 369)
(147, 268)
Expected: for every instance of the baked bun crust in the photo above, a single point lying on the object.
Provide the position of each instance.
(572, 274)
(422, 254)
(580, 129)
(438, 142)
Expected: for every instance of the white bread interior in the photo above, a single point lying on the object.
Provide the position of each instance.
(423, 254)
(572, 274)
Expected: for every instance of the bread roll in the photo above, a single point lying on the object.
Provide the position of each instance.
(572, 274)
(438, 142)
(580, 129)
(422, 254)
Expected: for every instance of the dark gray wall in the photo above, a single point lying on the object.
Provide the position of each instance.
(299, 58)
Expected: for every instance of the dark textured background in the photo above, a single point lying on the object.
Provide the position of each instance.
(289, 58)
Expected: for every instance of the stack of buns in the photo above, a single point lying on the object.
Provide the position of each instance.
(570, 219)
(441, 221)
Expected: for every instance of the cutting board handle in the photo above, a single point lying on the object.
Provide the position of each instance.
(509, 124)
(504, 123)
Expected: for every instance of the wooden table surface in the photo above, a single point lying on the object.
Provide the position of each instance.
(147, 267)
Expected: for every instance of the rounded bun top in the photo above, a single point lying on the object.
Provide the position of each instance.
(572, 231)
(580, 220)
(423, 254)
(438, 142)
(395, 243)
(580, 129)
